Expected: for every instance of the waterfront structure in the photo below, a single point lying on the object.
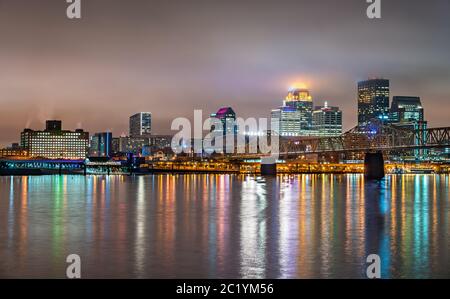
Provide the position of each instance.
(227, 117)
(301, 100)
(55, 143)
(373, 101)
(101, 145)
(141, 124)
(327, 121)
(14, 151)
(286, 121)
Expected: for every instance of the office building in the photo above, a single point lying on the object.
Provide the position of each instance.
(14, 151)
(407, 113)
(141, 124)
(55, 143)
(301, 100)
(129, 144)
(327, 121)
(406, 110)
(286, 121)
(373, 101)
(101, 145)
(227, 116)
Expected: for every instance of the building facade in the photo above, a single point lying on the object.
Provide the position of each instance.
(141, 124)
(406, 110)
(286, 121)
(101, 145)
(14, 151)
(227, 117)
(129, 144)
(55, 143)
(373, 101)
(327, 121)
(301, 100)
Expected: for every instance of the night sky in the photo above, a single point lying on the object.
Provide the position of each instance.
(171, 57)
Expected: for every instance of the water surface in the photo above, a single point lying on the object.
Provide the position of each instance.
(224, 226)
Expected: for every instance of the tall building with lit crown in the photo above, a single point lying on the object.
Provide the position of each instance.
(227, 117)
(55, 143)
(141, 124)
(301, 100)
(327, 121)
(373, 101)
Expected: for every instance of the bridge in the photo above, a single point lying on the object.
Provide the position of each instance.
(55, 166)
(373, 141)
(384, 138)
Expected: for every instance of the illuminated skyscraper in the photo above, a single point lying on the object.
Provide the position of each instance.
(373, 100)
(301, 100)
(406, 110)
(141, 124)
(228, 118)
(408, 113)
(327, 121)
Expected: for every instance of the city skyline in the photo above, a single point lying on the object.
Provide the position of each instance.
(225, 144)
(115, 62)
(315, 103)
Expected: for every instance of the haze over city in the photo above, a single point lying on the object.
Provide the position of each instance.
(171, 57)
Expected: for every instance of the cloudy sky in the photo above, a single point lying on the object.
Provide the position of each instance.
(173, 56)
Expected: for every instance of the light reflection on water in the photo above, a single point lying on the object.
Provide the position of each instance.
(225, 226)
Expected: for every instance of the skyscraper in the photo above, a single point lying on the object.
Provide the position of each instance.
(228, 118)
(301, 100)
(327, 121)
(373, 100)
(141, 124)
(286, 121)
(406, 110)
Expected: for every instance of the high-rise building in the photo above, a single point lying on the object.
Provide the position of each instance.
(55, 143)
(227, 116)
(373, 101)
(141, 124)
(101, 145)
(327, 121)
(406, 110)
(286, 121)
(301, 100)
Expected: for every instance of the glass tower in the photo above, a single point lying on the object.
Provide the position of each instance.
(373, 101)
(141, 124)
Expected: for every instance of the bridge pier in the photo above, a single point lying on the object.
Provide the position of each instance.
(268, 166)
(374, 166)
